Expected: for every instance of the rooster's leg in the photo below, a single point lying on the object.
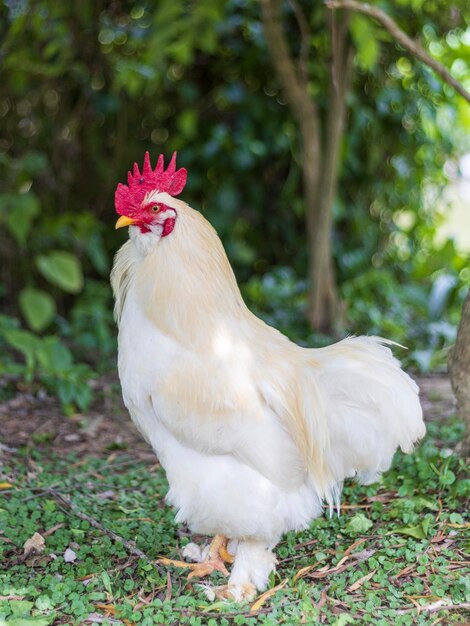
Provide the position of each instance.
(213, 561)
(253, 565)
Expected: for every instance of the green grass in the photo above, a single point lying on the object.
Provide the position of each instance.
(402, 541)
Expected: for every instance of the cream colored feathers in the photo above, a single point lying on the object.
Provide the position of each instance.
(252, 430)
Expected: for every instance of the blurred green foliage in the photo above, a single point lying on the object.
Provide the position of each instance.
(86, 88)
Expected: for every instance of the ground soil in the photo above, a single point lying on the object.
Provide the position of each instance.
(34, 418)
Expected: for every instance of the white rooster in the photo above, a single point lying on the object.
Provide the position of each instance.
(253, 431)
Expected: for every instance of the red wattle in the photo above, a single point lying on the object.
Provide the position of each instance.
(168, 226)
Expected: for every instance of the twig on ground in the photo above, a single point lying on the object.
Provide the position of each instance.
(52, 530)
(440, 605)
(39, 492)
(403, 39)
(129, 545)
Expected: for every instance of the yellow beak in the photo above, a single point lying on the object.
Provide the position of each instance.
(124, 221)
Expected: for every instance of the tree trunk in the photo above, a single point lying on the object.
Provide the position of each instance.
(320, 165)
(459, 367)
(325, 310)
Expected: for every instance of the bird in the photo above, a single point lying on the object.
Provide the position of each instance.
(255, 433)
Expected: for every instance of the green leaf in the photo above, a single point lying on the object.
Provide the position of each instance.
(27, 343)
(447, 477)
(359, 524)
(20, 211)
(107, 582)
(22, 340)
(38, 308)
(82, 395)
(96, 251)
(53, 356)
(365, 40)
(420, 531)
(62, 269)
(30, 621)
(20, 607)
(421, 502)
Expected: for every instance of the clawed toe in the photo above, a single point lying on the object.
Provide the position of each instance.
(209, 560)
(199, 570)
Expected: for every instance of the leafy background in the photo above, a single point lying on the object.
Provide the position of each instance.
(87, 87)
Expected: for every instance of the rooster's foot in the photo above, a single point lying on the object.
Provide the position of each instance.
(209, 560)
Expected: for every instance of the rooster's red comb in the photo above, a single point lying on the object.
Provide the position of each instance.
(128, 198)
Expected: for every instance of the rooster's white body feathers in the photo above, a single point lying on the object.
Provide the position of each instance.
(253, 431)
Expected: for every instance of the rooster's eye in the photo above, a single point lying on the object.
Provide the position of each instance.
(155, 208)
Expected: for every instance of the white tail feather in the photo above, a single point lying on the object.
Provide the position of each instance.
(371, 408)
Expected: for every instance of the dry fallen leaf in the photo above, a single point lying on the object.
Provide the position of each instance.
(334, 570)
(406, 570)
(52, 530)
(169, 587)
(303, 571)
(69, 556)
(355, 586)
(266, 595)
(111, 610)
(323, 598)
(354, 545)
(5, 539)
(36, 544)
(106, 495)
(363, 555)
(5, 485)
